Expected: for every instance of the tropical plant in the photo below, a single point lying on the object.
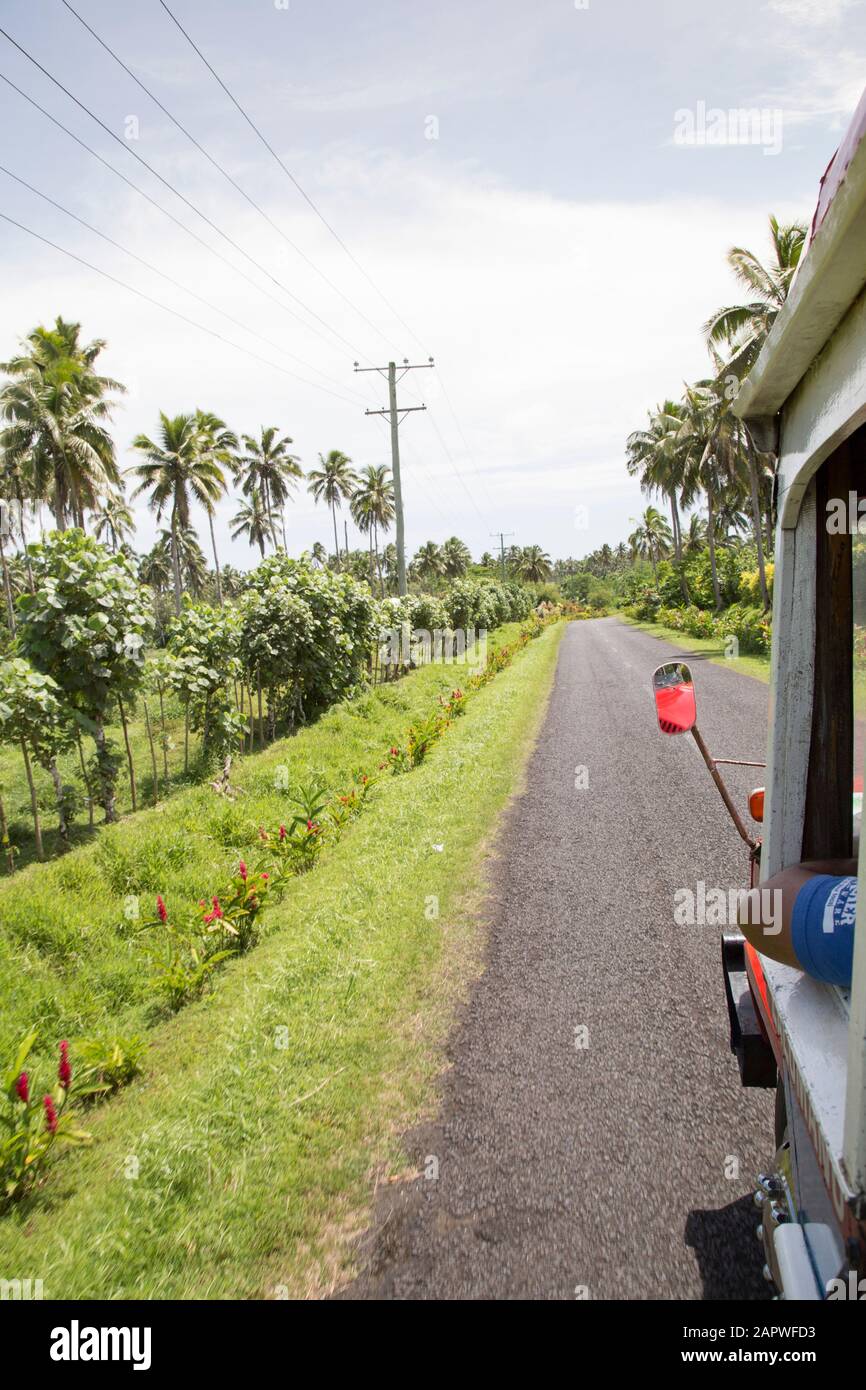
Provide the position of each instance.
(33, 714)
(333, 484)
(218, 445)
(533, 565)
(735, 334)
(86, 625)
(179, 468)
(373, 508)
(269, 469)
(112, 520)
(428, 563)
(651, 537)
(252, 520)
(56, 407)
(456, 558)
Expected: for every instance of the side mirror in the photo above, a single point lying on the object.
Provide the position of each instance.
(675, 698)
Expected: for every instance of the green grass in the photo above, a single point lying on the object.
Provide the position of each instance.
(265, 1109)
(16, 793)
(748, 665)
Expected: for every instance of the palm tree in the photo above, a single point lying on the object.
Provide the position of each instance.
(252, 520)
(319, 555)
(659, 456)
(372, 507)
(191, 557)
(651, 538)
(696, 536)
(455, 557)
(56, 407)
(177, 471)
(112, 521)
(333, 483)
(428, 562)
(533, 564)
(740, 330)
(218, 444)
(269, 467)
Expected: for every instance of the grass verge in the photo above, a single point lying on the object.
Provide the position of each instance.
(240, 1163)
(757, 666)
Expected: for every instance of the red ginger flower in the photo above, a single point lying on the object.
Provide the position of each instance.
(64, 1070)
(216, 913)
(50, 1114)
(22, 1088)
(161, 908)
(282, 832)
(242, 870)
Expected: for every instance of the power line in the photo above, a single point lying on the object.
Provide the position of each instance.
(156, 271)
(269, 147)
(211, 332)
(165, 212)
(226, 175)
(260, 136)
(155, 172)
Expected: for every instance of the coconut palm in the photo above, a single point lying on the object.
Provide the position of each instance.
(177, 470)
(193, 564)
(56, 407)
(218, 444)
(372, 507)
(252, 520)
(428, 563)
(736, 333)
(333, 484)
(652, 538)
(455, 557)
(112, 521)
(533, 564)
(659, 456)
(319, 555)
(268, 467)
(696, 536)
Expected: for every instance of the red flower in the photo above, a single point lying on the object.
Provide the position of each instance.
(242, 870)
(50, 1114)
(265, 878)
(161, 908)
(282, 832)
(22, 1088)
(216, 913)
(64, 1070)
(392, 752)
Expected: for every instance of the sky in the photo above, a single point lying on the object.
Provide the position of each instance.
(522, 191)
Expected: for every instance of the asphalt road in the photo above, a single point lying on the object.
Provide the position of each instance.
(622, 1168)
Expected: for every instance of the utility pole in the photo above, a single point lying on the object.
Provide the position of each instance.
(396, 417)
(501, 535)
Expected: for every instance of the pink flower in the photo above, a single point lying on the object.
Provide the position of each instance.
(282, 832)
(50, 1114)
(242, 870)
(216, 913)
(64, 1070)
(309, 825)
(22, 1088)
(161, 908)
(265, 878)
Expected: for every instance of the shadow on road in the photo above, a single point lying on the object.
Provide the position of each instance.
(729, 1255)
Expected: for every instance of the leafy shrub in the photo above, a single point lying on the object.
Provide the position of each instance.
(110, 1060)
(32, 1124)
(750, 584)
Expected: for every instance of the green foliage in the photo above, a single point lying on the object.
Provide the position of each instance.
(32, 708)
(110, 1060)
(87, 623)
(203, 644)
(32, 1123)
(309, 630)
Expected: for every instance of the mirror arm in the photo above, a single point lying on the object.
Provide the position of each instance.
(725, 794)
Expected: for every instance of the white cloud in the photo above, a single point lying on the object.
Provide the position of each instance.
(812, 13)
(555, 323)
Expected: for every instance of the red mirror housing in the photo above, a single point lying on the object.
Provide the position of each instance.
(675, 698)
